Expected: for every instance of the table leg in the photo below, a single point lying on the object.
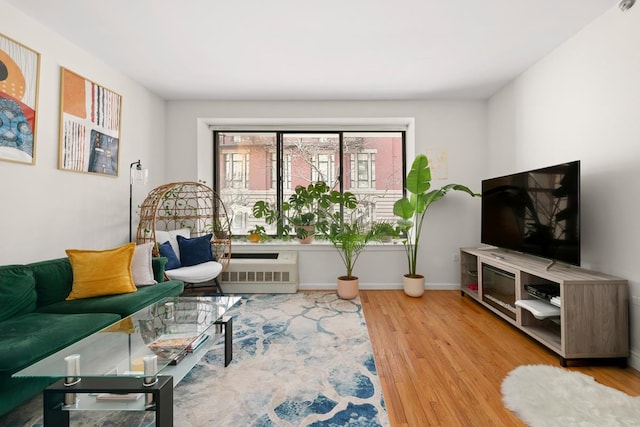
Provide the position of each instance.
(53, 415)
(227, 323)
(164, 406)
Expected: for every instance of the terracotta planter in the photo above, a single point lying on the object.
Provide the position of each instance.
(310, 229)
(222, 235)
(348, 288)
(413, 285)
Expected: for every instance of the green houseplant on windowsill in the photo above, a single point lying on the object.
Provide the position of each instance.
(412, 210)
(257, 234)
(306, 209)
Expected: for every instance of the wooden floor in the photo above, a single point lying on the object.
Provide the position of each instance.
(441, 359)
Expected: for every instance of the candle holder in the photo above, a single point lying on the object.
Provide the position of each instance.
(150, 379)
(73, 376)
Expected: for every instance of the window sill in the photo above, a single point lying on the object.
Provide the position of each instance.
(320, 245)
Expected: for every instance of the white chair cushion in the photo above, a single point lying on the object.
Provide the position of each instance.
(196, 273)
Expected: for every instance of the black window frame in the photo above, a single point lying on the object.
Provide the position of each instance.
(280, 154)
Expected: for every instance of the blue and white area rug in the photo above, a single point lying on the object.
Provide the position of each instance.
(300, 359)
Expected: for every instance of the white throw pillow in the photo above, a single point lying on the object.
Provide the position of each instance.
(172, 237)
(141, 268)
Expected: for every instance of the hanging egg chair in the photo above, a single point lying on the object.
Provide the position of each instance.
(187, 209)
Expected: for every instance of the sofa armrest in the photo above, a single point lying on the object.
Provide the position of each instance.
(158, 263)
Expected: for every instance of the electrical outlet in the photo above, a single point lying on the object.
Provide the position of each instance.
(455, 257)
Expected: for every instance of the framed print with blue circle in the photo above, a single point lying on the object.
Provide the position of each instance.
(19, 73)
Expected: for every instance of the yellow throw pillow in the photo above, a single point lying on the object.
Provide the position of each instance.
(97, 273)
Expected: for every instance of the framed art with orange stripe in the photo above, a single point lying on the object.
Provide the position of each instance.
(90, 117)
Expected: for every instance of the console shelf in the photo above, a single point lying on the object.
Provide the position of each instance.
(589, 320)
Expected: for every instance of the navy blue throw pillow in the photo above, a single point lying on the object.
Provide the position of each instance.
(172, 259)
(196, 250)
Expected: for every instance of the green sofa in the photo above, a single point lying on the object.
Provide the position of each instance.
(36, 321)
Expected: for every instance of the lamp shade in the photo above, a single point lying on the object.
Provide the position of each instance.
(140, 175)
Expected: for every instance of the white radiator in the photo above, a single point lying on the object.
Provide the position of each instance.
(264, 272)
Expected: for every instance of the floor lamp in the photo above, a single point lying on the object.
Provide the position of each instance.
(137, 174)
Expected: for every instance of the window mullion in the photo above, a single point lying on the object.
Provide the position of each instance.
(279, 179)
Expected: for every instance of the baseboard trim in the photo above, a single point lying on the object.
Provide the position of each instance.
(378, 286)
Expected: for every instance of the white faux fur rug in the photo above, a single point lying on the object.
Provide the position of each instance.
(544, 396)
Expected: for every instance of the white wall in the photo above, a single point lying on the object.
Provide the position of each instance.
(457, 127)
(46, 210)
(582, 102)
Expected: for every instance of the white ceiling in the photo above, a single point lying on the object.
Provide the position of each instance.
(318, 50)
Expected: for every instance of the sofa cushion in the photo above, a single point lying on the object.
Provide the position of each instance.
(195, 251)
(17, 291)
(159, 265)
(33, 336)
(122, 304)
(141, 269)
(101, 272)
(53, 280)
(14, 391)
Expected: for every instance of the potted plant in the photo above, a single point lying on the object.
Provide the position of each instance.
(306, 208)
(349, 237)
(257, 234)
(220, 228)
(412, 211)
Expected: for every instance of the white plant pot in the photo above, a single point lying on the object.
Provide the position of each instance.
(413, 286)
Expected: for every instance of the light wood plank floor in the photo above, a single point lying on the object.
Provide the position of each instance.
(441, 359)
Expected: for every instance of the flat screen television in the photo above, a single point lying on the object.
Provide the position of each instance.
(535, 212)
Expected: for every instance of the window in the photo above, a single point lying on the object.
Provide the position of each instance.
(251, 166)
(286, 171)
(323, 168)
(236, 166)
(363, 170)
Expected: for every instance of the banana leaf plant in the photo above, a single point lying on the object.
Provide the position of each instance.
(412, 210)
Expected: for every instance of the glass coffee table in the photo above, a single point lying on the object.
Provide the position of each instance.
(134, 363)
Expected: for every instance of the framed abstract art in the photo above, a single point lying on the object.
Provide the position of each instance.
(19, 73)
(90, 117)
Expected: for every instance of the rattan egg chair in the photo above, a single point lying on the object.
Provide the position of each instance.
(195, 209)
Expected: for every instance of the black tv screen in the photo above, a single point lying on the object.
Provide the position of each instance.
(535, 212)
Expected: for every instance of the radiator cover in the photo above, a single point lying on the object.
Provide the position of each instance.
(264, 272)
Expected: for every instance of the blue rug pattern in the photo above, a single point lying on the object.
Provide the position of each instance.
(299, 360)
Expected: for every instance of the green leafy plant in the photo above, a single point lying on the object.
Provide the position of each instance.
(307, 206)
(257, 234)
(350, 236)
(388, 231)
(412, 209)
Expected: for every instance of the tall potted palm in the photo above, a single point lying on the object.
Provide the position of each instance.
(412, 210)
(349, 235)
